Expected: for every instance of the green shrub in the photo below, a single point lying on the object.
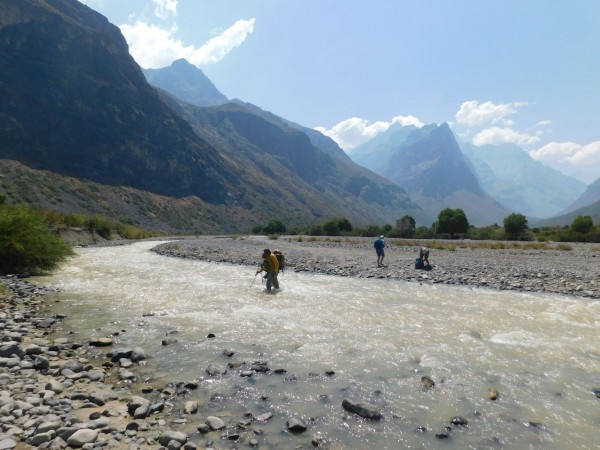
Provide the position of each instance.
(100, 225)
(27, 245)
(582, 224)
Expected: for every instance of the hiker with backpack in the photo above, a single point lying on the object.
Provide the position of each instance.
(422, 262)
(270, 265)
(379, 245)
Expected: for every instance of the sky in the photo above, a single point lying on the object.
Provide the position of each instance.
(510, 71)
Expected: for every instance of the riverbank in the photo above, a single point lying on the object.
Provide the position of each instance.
(565, 269)
(66, 392)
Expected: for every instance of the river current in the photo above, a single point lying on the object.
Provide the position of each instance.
(379, 337)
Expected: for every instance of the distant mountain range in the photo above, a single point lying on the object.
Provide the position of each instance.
(82, 130)
(487, 182)
(76, 109)
(520, 183)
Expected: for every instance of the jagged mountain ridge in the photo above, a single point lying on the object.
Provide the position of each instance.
(76, 104)
(428, 163)
(512, 177)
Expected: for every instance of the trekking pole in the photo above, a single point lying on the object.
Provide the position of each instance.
(254, 279)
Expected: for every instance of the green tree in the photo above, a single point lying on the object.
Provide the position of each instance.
(405, 227)
(345, 225)
(331, 228)
(274, 226)
(452, 221)
(514, 225)
(27, 244)
(582, 224)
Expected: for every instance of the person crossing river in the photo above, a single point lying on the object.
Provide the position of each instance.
(270, 265)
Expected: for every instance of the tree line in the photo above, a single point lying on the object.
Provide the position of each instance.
(450, 224)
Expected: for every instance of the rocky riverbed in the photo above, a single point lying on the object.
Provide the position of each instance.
(566, 269)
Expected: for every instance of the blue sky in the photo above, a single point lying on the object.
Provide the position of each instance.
(524, 72)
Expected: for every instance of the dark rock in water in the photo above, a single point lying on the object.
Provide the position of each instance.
(228, 353)
(211, 336)
(596, 392)
(296, 425)
(138, 354)
(427, 382)
(535, 425)
(362, 409)
(260, 366)
(459, 421)
(166, 342)
(329, 373)
(192, 385)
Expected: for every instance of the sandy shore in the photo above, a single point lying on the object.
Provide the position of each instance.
(566, 269)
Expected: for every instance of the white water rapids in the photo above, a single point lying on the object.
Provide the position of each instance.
(541, 352)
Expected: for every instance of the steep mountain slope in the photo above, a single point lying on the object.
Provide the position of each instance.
(297, 172)
(592, 210)
(74, 105)
(428, 163)
(590, 196)
(512, 177)
(75, 102)
(187, 82)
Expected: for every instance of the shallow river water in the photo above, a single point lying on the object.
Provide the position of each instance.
(540, 352)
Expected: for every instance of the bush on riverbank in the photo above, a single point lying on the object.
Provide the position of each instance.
(27, 244)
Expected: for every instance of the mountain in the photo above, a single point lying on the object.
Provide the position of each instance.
(297, 173)
(428, 163)
(187, 82)
(520, 183)
(83, 130)
(590, 196)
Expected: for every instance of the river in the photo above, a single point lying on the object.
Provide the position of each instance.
(379, 337)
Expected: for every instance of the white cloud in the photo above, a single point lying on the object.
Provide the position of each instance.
(154, 47)
(497, 135)
(216, 48)
(581, 161)
(352, 132)
(475, 114)
(165, 8)
(569, 152)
